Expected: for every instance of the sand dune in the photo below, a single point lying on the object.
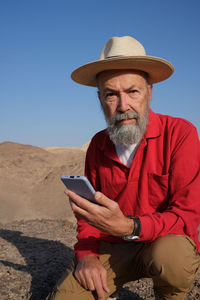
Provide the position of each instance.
(30, 186)
(63, 149)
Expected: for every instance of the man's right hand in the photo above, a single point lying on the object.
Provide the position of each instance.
(92, 275)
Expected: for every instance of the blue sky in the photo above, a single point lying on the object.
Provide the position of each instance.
(43, 41)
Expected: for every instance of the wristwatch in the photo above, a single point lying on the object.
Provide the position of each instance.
(136, 232)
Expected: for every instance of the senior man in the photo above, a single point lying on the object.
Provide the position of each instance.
(145, 168)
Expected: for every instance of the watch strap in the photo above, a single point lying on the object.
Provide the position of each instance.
(136, 231)
(137, 226)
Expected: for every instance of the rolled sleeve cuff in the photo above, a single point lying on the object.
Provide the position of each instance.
(86, 247)
(147, 228)
(80, 254)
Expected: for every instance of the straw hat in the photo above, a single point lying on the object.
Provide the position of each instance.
(123, 53)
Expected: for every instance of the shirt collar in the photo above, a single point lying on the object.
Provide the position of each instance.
(154, 127)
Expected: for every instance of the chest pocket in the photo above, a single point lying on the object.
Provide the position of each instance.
(158, 190)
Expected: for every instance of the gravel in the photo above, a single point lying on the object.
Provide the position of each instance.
(34, 254)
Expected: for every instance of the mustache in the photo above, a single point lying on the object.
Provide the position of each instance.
(124, 116)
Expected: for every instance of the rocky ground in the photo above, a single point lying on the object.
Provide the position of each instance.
(34, 254)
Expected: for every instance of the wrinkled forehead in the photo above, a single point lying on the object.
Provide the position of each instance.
(108, 74)
(112, 74)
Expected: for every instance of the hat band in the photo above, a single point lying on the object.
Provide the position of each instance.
(114, 56)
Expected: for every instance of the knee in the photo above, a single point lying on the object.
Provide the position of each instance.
(173, 261)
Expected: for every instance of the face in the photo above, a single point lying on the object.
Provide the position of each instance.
(125, 97)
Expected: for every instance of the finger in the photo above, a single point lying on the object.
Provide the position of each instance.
(79, 211)
(90, 283)
(99, 288)
(81, 279)
(81, 202)
(85, 280)
(104, 281)
(104, 201)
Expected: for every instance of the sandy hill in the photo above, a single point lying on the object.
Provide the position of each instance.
(30, 186)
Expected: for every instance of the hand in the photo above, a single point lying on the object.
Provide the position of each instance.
(92, 275)
(107, 217)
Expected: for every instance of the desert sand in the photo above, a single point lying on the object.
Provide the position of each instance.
(30, 185)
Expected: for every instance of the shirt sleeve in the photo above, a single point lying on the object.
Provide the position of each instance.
(182, 215)
(87, 235)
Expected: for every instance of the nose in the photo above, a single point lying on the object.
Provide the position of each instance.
(123, 104)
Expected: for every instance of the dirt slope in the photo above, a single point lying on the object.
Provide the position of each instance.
(30, 186)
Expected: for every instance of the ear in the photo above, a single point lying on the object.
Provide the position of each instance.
(150, 89)
(99, 96)
(98, 93)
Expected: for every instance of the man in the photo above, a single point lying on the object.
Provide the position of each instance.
(145, 167)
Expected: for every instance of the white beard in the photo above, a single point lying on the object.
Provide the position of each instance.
(127, 134)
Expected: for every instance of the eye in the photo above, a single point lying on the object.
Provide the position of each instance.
(133, 91)
(110, 96)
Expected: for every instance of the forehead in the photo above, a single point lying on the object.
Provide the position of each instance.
(113, 77)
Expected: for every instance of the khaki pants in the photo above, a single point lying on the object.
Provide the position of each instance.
(170, 261)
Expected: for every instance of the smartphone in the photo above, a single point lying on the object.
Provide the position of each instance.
(79, 185)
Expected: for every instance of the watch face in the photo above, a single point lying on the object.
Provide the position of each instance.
(130, 237)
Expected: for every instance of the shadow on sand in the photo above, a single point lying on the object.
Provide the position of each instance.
(46, 260)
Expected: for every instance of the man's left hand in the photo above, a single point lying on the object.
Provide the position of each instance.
(107, 217)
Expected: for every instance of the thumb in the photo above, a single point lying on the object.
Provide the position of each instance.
(101, 198)
(98, 196)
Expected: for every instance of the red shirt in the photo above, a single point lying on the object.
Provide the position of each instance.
(162, 187)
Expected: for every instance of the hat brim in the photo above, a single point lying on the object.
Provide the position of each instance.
(157, 68)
